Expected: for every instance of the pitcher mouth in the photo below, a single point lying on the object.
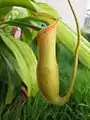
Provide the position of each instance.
(47, 28)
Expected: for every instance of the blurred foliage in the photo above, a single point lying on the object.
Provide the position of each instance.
(86, 35)
(16, 12)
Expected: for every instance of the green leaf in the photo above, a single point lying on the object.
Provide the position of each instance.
(48, 9)
(14, 86)
(24, 22)
(4, 11)
(13, 78)
(26, 61)
(30, 59)
(27, 35)
(10, 93)
(20, 3)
